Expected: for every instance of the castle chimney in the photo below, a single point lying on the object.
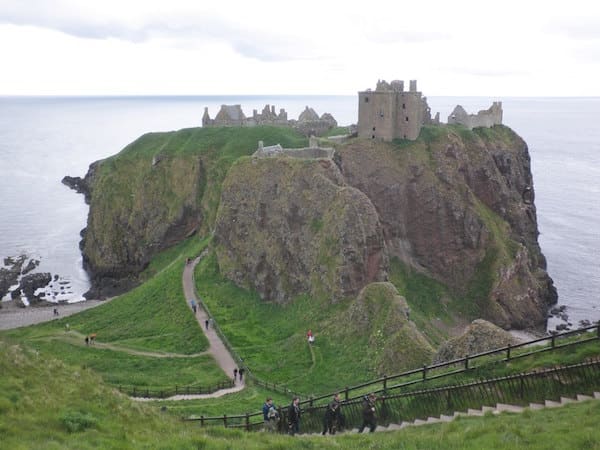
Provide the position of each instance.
(413, 85)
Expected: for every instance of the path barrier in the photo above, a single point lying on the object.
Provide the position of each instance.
(138, 391)
(388, 387)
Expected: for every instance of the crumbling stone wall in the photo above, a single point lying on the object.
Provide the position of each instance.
(484, 118)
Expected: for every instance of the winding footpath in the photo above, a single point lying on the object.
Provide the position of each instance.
(15, 317)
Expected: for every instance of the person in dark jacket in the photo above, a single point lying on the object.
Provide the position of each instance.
(270, 415)
(333, 416)
(294, 416)
(368, 413)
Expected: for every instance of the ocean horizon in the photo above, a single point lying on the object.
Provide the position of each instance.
(44, 138)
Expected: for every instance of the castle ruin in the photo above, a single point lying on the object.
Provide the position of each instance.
(485, 118)
(308, 123)
(389, 112)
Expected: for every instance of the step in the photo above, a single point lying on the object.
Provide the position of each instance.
(503, 407)
(419, 422)
(597, 395)
(536, 406)
(474, 412)
(378, 428)
(460, 414)
(565, 400)
(433, 420)
(489, 409)
(583, 398)
(552, 404)
(394, 426)
(445, 418)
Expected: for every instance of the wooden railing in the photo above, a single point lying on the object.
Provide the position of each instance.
(387, 384)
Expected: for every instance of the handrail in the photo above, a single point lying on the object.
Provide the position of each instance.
(520, 389)
(465, 362)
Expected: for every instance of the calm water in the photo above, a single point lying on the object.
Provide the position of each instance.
(44, 139)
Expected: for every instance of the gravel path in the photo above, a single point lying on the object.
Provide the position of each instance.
(13, 316)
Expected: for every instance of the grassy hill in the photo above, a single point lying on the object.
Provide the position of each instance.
(45, 403)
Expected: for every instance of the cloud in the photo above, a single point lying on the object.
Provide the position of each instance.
(384, 36)
(578, 28)
(178, 27)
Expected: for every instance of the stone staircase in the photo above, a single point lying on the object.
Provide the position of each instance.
(498, 409)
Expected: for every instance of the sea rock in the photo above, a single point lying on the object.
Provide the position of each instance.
(31, 282)
(481, 336)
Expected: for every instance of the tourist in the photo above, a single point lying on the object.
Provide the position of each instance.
(368, 413)
(333, 418)
(241, 373)
(270, 415)
(206, 324)
(294, 417)
(235, 372)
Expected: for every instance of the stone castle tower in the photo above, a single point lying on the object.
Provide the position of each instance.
(389, 112)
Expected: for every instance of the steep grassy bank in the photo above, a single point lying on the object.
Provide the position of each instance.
(47, 404)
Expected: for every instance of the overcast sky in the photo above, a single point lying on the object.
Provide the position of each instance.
(452, 47)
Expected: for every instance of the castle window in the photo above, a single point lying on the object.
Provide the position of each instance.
(403, 105)
(381, 113)
(366, 99)
(373, 137)
(373, 128)
(407, 118)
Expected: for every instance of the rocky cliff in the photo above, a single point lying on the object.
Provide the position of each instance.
(456, 205)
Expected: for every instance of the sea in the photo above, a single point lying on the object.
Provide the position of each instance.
(42, 139)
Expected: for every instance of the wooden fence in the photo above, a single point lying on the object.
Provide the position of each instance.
(387, 385)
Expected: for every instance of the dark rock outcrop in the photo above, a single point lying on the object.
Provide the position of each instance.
(31, 282)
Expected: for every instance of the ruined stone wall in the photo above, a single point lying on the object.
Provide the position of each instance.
(484, 118)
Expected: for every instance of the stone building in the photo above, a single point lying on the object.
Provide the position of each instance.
(485, 118)
(389, 112)
(308, 123)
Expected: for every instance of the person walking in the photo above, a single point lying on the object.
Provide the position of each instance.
(241, 373)
(294, 417)
(368, 413)
(235, 372)
(270, 415)
(333, 416)
(206, 323)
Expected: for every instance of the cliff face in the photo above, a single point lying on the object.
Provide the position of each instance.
(287, 226)
(458, 205)
(455, 205)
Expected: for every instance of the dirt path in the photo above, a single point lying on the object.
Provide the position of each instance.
(216, 346)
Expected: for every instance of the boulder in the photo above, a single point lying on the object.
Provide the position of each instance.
(481, 336)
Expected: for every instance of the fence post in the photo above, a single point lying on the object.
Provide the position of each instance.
(384, 383)
(598, 333)
(176, 390)
(522, 390)
(346, 392)
(225, 420)
(247, 422)
(201, 421)
(553, 337)
(134, 391)
(508, 352)
(424, 372)
(310, 401)
(467, 362)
